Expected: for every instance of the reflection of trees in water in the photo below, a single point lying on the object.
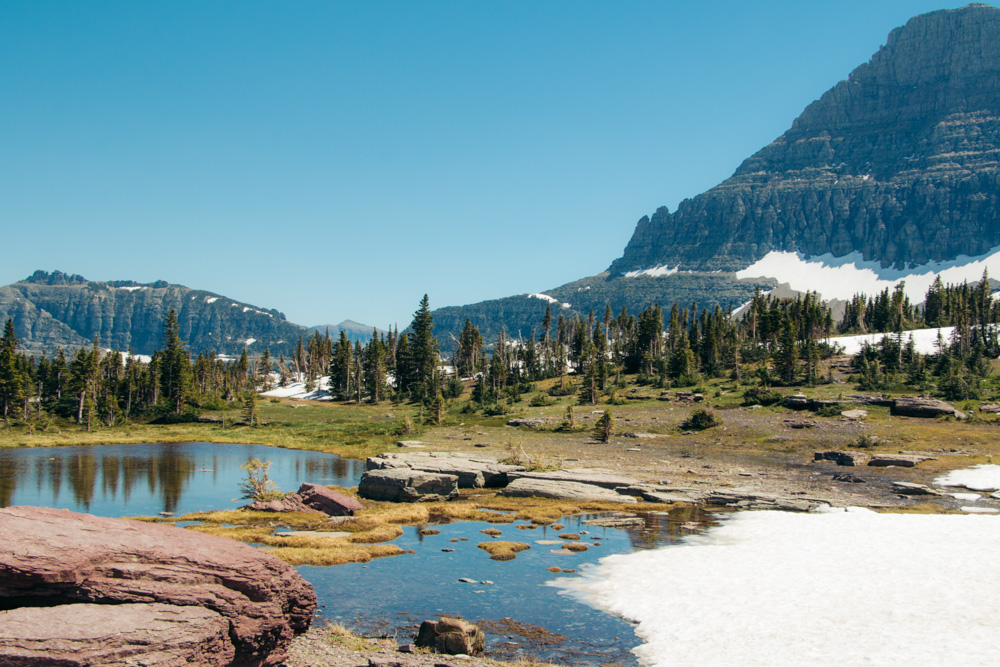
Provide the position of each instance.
(669, 528)
(173, 470)
(110, 468)
(10, 472)
(134, 469)
(82, 471)
(54, 471)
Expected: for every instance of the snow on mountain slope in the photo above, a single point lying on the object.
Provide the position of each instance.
(843, 277)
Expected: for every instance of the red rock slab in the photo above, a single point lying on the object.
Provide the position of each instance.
(94, 635)
(328, 501)
(51, 557)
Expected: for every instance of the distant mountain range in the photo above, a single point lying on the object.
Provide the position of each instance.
(55, 309)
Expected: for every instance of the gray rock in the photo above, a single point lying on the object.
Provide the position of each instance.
(407, 486)
(854, 414)
(901, 460)
(918, 406)
(473, 471)
(617, 522)
(525, 487)
(592, 476)
(842, 458)
(848, 477)
(912, 489)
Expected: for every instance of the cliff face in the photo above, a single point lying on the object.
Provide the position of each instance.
(900, 162)
(56, 310)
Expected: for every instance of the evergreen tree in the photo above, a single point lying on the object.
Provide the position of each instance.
(423, 351)
(602, 429)
(175, 364)
(11, 378)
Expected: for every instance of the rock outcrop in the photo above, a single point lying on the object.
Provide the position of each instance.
(110, 591)
(900, 162)
(473, 471)
(403, 485)
(918, 406)
(551, 488)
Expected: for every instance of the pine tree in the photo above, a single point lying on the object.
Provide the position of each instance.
(423, 351)
(602, 429)
(175, 368)
(11, 378)
(251, 415)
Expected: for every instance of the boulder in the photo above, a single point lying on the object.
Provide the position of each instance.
(918, 406)
(796, 402)
(990, 408)
(407, 486)
(451, 635)
(292, 502)
(328, 501)
(901, 460)
(552, 488)
(842, 458)
(473, 471)
(191, 598)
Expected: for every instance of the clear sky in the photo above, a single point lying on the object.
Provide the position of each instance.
(338, 160)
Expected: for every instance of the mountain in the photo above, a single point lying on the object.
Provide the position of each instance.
(55, 309)
(892, 175)
(898, 163)
(355, 330)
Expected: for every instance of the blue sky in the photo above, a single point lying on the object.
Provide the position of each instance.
(338, 160)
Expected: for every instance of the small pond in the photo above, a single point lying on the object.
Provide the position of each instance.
(144, 479)
(392, 595)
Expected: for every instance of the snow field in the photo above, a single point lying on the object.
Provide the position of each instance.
(977, 478)
(924, 340)
(832, 587)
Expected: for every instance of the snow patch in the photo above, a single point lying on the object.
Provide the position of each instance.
(984, 477)
(298, 390)
(546, 297)
(211, 299)
(777, 588)
(133, 288)
(249, 341)
(924, 340)
(656, 272)
(843, 277)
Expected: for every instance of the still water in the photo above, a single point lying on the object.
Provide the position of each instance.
(144, 479)
(392, 595)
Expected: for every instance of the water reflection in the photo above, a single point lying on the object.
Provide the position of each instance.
(119, 480)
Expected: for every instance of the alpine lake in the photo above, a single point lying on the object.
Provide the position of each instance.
(523, 614)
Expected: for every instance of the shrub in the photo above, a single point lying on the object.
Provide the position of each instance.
(540, 400)
(761, 396)
(700, 420)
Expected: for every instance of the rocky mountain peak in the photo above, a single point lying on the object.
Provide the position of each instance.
(898, 162)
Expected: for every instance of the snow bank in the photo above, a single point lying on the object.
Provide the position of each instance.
(298, 390)
(977, 478)
(656, 272)
(834, 587)
(843, 277)
(924, 340)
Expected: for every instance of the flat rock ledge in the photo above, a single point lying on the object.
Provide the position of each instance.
(918, 406)
(89, 590)
(551, 488)
(473, 472)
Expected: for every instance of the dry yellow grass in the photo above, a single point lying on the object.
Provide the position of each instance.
(492, 532)
(575, 546)
(503, 550)
(335, 555)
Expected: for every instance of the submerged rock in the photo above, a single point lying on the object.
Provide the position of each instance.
(163, 595)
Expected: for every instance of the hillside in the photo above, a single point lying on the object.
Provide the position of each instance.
(55, 309)
(355, 330)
